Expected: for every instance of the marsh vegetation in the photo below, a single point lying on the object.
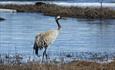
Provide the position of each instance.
(53, 10)
(15, 64)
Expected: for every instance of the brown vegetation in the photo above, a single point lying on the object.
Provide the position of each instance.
(75, 65)
(52, 10)
(15, 62)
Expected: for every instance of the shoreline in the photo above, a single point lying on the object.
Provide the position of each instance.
(61, 3)
(54, 10)
(75, 65)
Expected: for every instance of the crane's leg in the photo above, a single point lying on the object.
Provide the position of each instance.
(44, 54)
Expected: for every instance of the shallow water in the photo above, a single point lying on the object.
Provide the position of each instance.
(18, 31)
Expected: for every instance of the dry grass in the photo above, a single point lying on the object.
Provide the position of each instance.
(15, 62)
(75, 65)
(52, 10)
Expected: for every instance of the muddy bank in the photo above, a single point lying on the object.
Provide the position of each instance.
(52, 10)
(75, 65)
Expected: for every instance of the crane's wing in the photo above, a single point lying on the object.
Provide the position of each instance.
(39, 42)
(42, 40)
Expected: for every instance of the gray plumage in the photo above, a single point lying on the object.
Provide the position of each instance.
(44, 39)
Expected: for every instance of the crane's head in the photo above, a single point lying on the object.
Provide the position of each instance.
(59, 17)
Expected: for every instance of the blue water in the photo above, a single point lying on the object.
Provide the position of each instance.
(18, 31)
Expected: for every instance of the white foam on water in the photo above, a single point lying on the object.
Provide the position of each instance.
(18, 2)
(84, 4)
(7, 10)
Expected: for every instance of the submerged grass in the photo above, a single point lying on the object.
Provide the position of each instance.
(8, 62)
(53, 10)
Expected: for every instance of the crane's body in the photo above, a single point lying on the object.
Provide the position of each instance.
(44, 39)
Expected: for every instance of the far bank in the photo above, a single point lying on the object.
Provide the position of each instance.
(66, 11)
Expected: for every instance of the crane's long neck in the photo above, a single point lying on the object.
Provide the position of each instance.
(59, 26)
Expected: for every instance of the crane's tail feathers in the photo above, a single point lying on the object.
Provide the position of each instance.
(35, 49)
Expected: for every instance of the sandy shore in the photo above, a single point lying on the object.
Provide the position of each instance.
(53, 10)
